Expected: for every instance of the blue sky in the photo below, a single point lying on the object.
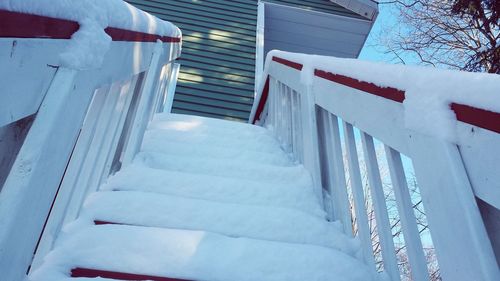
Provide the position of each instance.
(386, 18)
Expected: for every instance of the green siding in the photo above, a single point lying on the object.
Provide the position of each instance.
(218, 56)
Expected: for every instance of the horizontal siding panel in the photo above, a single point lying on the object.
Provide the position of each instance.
(217, 71)
(337, 43)
(217, 62)
(215, 88)
(208, 67)
(211, 109)
(195, 9)
(178, 18)
(217, 51)
(200, 78)
(215, 102)
(214, 95)
(226, 36)
(205, 114)
(324, 6)
(229, 77)
(271, 45)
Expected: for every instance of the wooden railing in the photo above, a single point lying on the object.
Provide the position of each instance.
(327, 121)
(79, 126)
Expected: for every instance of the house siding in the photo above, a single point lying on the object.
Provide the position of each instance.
(216, 78)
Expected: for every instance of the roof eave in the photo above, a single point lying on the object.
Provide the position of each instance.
(365, 8)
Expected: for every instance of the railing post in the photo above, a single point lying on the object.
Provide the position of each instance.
(462, 245)
(32, 183)
(310, 140)
(142, 117)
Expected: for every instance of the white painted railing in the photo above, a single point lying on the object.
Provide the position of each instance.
(85, 125)
(326, 121)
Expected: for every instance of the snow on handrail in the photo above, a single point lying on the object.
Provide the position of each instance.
(313, 104)
(90, 24)
(483, 110)
(22, 25)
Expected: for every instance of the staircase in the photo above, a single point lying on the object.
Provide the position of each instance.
(205, 199)
(101, 180)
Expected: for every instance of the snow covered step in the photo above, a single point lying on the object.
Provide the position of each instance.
(158, 143)
(224, 168)
(262, 143)
(194, 255)
(196, 130)
(231, 190)
(198, 124)
(234, 220)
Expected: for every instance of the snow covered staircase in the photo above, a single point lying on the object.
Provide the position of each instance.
(205, 199)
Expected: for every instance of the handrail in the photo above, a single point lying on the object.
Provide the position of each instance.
(304, 100)
(88, 121)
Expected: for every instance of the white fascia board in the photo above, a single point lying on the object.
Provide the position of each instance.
(365, 8)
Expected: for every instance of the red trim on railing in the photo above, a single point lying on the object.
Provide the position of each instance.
(289, 63)
(388, 93)
(478, 117)
(94, 273)
(262, 101)
(22, 25)
(474, 116)
(118, 34)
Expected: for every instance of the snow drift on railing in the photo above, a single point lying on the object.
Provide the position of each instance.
(90, 43)
(428, 92)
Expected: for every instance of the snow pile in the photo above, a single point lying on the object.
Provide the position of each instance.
(195, 255)
(207, 214)
(90, 43)
(429, 91)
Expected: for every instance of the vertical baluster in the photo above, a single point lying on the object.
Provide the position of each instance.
(339, 188)
(293, 115)
(289, 119)
(358, 194)
(408, 222)
(298, 114)
(380, 206)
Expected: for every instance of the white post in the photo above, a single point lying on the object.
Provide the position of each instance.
(141, 119)
(30, 188)
(462, 245)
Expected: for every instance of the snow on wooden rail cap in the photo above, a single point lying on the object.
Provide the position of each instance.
(97, 23)
(430, 96)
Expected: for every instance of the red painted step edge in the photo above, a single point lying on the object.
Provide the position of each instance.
(22, 25)
(94, 273)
